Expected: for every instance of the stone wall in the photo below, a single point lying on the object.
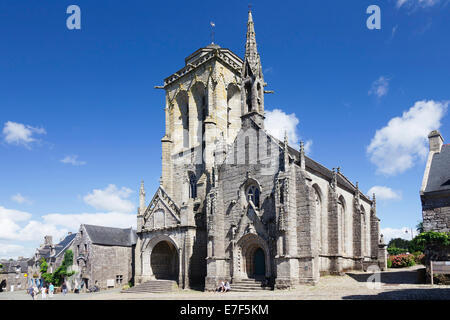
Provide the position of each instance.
(436, 219)
(99, 263)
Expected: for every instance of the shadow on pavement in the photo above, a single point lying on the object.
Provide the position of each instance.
(394, 277)
(406, 294)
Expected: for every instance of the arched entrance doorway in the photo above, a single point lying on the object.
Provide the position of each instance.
(164, 261)
(256, 263)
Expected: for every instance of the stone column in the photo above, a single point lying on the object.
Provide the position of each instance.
(382, 256)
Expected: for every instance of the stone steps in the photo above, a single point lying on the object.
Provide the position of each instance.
(248, 285)
(153, 286)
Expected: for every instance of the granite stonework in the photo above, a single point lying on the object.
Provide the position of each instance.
(234, 202)
(103, 256)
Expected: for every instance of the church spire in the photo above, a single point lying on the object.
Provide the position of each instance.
(252, 78)
(251, 51)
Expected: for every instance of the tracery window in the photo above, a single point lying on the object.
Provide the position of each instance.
(253, 195)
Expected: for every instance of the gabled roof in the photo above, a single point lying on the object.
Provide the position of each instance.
(64, 244)
(111, 236)
(439, 175)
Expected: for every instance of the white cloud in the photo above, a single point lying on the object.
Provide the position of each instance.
(417, 3)
(392, 233)
(9, 222)
(10, 250)
(20, 199)
(111, 199)
(399, 145)
(73, 160)
(277, 123)
(20, 134)
(384, 193)
(21, 232)
(73, 221)
(380, 87)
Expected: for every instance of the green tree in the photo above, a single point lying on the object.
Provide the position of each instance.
(62, 271)
(48, 277)
(419, 227)
(399, 243)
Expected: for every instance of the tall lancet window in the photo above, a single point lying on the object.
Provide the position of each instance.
(192, 186)
(343, 225)
(248, 94)
(318, 204)
(259, 97)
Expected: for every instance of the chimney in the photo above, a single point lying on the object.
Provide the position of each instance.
(48, 240)
(436, 141)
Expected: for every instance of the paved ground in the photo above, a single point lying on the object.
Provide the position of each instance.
(397, 284)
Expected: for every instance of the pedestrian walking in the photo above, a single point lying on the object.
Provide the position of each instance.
(44, 293)
(51, 289)
(64, 288)
(31, 292)
(35, 292)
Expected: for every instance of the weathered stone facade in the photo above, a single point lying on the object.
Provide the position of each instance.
(435, 191)
(103, 257)
(235, 202)
(14, 274)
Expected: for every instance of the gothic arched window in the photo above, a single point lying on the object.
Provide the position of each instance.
(253, 195)
(192, 186)
(342, 214)
(318, 205)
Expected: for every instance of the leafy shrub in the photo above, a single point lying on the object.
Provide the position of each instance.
(419, 257)
(395, 251)
(125, 287)
(401, 261)
(433, 238)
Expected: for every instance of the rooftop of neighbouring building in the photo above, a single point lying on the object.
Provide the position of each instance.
(439, 175)
(111, 236)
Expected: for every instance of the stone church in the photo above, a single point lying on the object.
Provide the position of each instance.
(235, 203)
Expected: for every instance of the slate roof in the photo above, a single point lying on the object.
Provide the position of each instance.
(439, 175)
(10, 266)
(111, 236)
(312, 165)
(62, 246)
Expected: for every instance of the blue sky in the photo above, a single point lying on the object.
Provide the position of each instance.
(80, 122)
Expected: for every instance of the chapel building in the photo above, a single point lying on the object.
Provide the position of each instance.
(235, 203)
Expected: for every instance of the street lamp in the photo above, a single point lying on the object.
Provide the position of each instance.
(406, 231)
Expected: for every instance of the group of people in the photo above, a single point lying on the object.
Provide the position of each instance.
(45, 290)
(224, 287)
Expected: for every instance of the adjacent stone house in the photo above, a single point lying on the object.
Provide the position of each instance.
(14, 274)
(52, 253)
(103, 256)
(234, 202)
(435, 190)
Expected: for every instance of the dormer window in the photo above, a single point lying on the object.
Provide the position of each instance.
(253, 195)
